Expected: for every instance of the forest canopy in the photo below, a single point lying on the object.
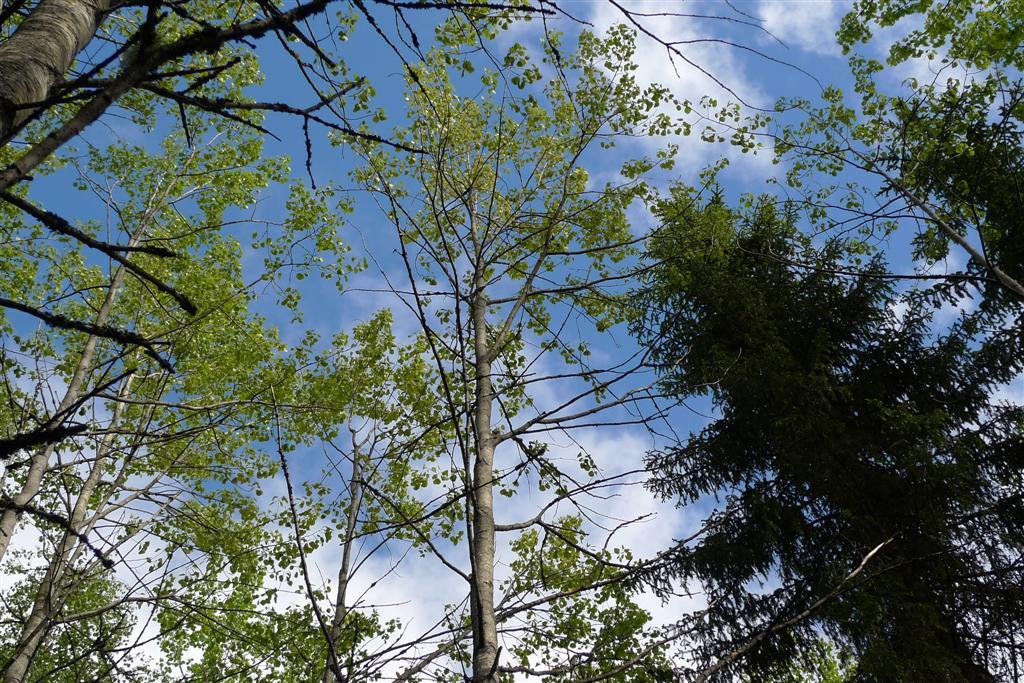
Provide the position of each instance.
(353, 340)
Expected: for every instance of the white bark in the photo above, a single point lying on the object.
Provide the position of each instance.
(485, 625)
(42, 49)
(51, 594)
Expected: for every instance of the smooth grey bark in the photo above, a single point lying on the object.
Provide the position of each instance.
(41, 458)
(41, 50)
(50, 594)
(341, 605)
(485, 624)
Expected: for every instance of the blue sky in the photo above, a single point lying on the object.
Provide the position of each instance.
(804, 29)
(798, 32)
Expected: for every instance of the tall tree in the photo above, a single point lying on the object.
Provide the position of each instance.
(506, 244)
(935, 163)
(159, 443)
(868, 476)
(145, 412)
(185, 61)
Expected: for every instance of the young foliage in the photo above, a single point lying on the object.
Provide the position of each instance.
(507, 242)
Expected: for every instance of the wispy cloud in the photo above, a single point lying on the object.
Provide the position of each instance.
(807, 25)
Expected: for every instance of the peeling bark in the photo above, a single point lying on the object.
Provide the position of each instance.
(42, 49)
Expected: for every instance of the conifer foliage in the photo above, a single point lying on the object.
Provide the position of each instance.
(865, 474)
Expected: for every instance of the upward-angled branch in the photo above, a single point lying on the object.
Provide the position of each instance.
(62, 227)
(976, 255)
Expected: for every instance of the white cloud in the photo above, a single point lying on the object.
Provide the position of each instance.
(808, 25)
(1011, 393)
(710, 62)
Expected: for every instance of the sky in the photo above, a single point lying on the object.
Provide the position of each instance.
(796, 33)
(760, 51)
(791, 53)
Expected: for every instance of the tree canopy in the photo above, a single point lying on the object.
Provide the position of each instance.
(850, 429)
(351, 340)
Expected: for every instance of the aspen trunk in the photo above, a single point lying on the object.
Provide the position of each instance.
(41, 50)
(50, 593)
(40, 459)
(341, 605)
(485, 627)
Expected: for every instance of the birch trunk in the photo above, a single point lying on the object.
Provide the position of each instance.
(50, 594)
(485, 628)
(41, 50)
(341, 605)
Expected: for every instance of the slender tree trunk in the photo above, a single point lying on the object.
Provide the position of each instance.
(41, 50)
(340, 606)
(485, 627)
(41, 459)
(50, 594)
